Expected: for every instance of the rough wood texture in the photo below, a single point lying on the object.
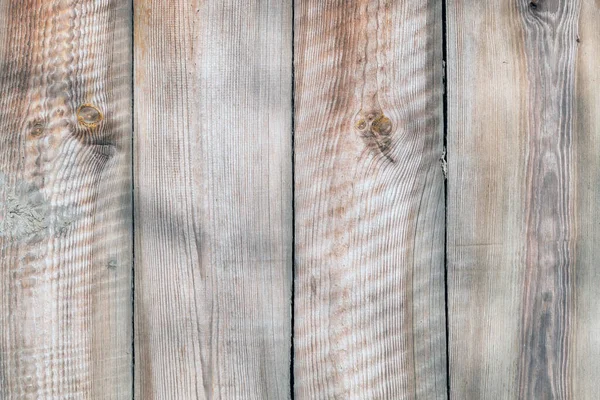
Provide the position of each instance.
(65, 206)
(523, 204)
(587, 136)
(369, 306)
(213, 199)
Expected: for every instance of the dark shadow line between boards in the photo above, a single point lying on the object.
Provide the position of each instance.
(132, 72)
(293, 272)
(445, 150)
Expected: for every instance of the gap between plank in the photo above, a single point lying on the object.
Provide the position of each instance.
(445, 144)
(293, 291)
(132, 44)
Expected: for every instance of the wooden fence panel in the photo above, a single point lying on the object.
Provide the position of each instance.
(65, 199)
(369, 200)
(213, 218)
(523, 148)
(214, 204)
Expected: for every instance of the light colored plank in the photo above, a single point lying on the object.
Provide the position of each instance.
(522, 145)
(369, 306)
(213, 199)
(487, 133)
(65, 200)
(587, 136)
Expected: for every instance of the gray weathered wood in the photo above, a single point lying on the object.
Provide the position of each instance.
(369, 305)
(522, 205)
(65, 199)
(213, 199)
(586, 360)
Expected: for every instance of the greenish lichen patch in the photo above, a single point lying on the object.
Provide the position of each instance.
(25, 213)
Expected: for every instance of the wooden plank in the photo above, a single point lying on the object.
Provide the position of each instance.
(369, 292)
(522, 146)
(65, 199)
(587, 136)
(213, 198)
(486, 138)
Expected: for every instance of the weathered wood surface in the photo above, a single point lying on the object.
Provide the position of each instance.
(213, 219)
(523, 204)
(369, 292)
(587, 136)
(65, 206)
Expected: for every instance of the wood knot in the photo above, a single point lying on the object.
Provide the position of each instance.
(37, 127)
(112, 265)
(376, 129)
(381, 126)
(547, 297)
(89, 115)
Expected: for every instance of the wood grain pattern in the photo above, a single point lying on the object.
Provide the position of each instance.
(520, 241)
(213, 199)
(369, 294)
(65, 199)
(587, 136)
